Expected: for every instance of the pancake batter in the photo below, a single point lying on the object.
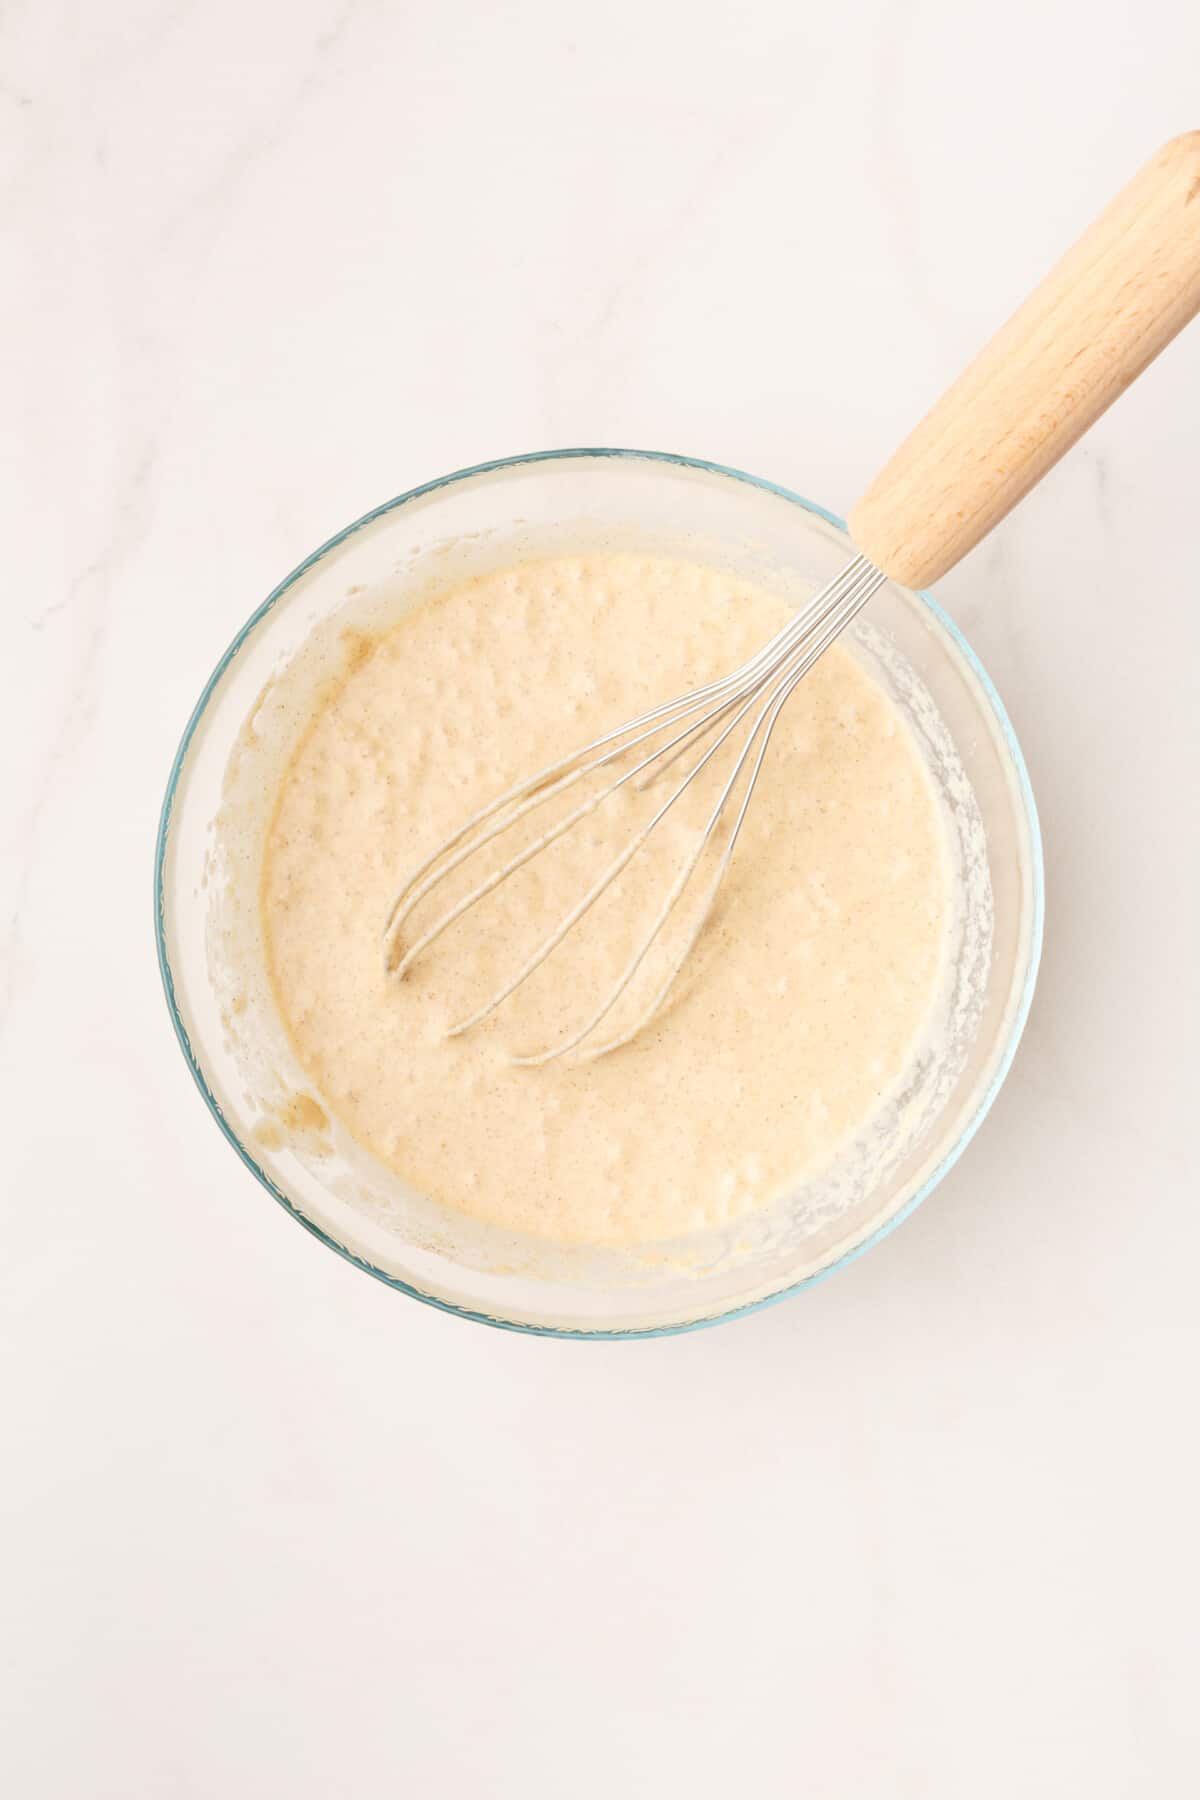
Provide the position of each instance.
(796, 1013)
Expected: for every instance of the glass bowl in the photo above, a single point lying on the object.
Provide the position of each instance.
(217, 804)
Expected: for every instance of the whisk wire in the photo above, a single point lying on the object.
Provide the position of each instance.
(786, 679)
(854, 604)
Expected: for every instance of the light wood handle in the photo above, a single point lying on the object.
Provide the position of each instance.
(1101, 315)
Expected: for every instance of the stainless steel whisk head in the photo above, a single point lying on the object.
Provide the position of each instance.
(749, 699)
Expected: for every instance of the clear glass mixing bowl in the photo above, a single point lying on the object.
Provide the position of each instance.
(206, 879)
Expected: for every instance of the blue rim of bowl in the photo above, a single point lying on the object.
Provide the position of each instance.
(560, 1331)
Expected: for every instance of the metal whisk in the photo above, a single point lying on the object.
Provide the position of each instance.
(1102, 314)
(751, 698)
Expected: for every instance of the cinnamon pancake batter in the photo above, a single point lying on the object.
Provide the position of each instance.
(799, 1009)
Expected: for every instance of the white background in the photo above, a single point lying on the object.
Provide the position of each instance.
(271, 1529)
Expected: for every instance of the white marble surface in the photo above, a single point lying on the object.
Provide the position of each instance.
(270, 1529)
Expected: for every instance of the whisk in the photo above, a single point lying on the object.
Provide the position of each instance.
(1128, 285)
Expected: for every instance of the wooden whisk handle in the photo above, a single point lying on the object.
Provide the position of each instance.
(1103, 313)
